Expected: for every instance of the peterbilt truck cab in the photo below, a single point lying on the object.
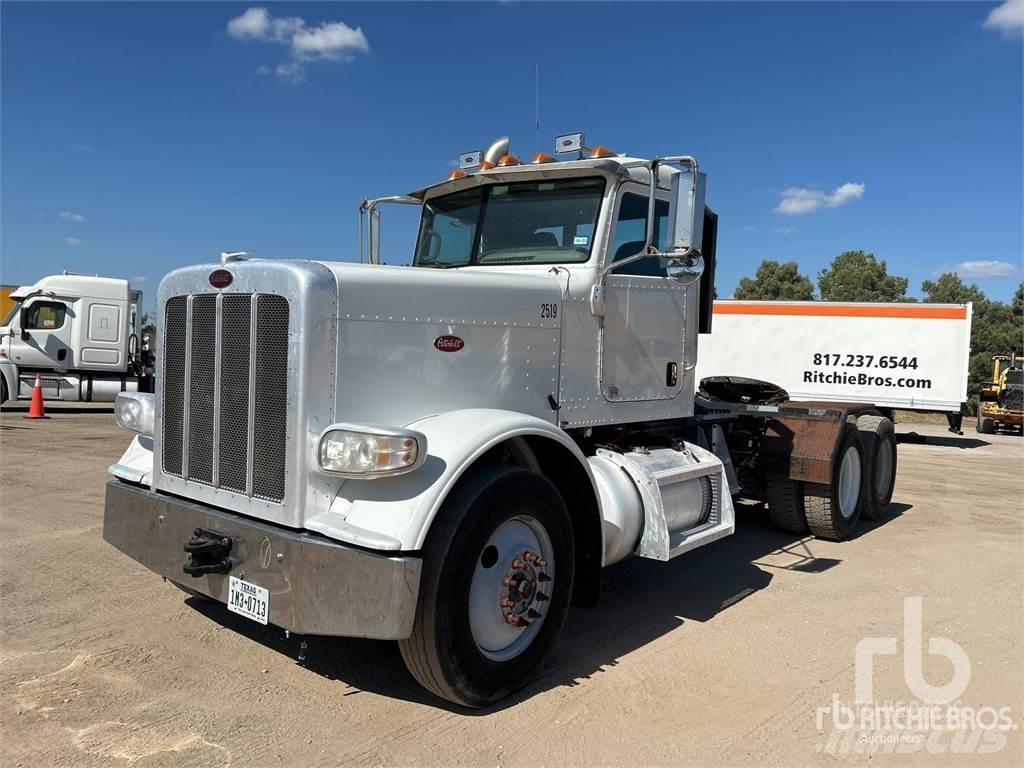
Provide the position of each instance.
(447, 453)
(80, 334)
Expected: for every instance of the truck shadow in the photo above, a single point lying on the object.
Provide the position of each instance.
(641, 601)
(942, 441)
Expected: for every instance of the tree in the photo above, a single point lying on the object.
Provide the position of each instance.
(995, 325)
(950, 289)
(776, 282)
(858, 276)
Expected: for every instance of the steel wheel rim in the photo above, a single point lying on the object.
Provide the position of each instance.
(512, 541)
(883, 468)
(849, 482)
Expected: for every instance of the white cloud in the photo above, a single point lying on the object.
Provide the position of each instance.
(982, 269)
(72, 241)
(75, 217)
(1008, 18)
(329, 40)
(800, 200)
(137, 279)
(785, 230)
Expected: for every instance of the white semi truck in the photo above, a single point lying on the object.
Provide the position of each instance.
(80, 334)
(446, 454)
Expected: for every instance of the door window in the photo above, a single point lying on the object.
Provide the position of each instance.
(631, 232)
(45, 316)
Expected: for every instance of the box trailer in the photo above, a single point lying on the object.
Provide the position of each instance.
(909, 356)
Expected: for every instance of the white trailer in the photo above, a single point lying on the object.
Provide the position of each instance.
(909, 356)
(80, 334)
(447, 454)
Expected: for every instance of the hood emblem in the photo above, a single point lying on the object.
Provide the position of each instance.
(448, 343)
(221, 278)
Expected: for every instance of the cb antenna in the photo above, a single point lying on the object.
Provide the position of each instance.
(536, 107)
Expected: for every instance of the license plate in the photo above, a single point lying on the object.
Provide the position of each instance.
(248, 600)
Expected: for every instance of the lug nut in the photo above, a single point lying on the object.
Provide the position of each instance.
(533, 614)
(510, 581)
(542, 577)
(506, 602)
(517, 563)
(541, 597)
(529, 556)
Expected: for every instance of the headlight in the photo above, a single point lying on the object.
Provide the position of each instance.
(134, 412)
(358, 451)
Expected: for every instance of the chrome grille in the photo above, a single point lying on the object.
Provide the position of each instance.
(224, 406)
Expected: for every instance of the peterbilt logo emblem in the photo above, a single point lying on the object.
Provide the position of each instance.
(221, 278)
(448, 343)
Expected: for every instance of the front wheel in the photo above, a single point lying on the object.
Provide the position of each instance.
(497, 580)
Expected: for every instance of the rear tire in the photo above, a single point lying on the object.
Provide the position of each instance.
(879, 438)
(832, 510)
(464, 646)
(986, 426)
(786, 507)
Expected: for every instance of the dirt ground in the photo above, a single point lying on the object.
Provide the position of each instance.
(725, 656)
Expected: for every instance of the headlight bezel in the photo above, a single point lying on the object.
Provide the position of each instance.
(372, 433)
(135, 412)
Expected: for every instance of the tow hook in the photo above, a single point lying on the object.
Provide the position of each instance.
(208, 552)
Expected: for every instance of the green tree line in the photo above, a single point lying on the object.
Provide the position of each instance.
(996, 327)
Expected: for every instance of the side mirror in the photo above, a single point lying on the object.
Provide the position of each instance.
(686, 226)
(23, 321)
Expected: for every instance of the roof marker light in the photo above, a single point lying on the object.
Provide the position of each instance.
(543, 157)
(508, 161)
(456, 174)
(486, 165)
(600, 151)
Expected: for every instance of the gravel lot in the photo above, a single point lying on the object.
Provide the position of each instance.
(721, 657)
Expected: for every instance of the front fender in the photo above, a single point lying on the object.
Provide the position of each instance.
(396, 513)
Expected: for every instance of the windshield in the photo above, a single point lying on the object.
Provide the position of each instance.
(10, 315)
(529, 222)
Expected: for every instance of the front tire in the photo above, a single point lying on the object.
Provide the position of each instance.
(986, 426)
(497, 580)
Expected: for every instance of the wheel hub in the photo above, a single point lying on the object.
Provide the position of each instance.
(511, 588)
(522, 597)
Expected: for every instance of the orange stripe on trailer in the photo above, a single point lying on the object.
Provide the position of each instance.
(817, 309)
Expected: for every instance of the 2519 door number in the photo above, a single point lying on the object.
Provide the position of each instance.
(548, 311)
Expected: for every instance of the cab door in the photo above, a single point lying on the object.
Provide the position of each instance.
(644, 310)
(42, 334)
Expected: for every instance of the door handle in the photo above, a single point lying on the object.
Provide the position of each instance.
(671, 374)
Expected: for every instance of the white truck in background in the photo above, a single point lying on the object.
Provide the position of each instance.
(908, 355)
(447, 454)
(80, 333)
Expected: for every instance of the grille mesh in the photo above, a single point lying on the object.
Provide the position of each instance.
(201, 384)
(236, 314)
(218, 407)
(173, 354)
(271, 383)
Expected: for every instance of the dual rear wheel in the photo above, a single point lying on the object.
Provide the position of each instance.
(863, 477)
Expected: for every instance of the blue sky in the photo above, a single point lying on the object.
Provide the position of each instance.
(138, 137)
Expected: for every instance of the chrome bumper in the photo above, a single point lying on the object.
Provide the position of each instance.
(316, 586)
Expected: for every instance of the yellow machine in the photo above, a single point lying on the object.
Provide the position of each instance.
(1002, 402)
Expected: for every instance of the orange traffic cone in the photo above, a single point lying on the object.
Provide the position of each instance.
(36, 410)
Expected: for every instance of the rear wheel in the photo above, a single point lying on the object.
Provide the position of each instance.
(879, 439)
(786, 507)
(497, 579)
(832, 510)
